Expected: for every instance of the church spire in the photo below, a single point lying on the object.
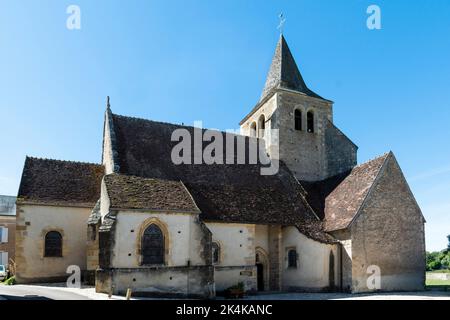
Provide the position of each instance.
(284, 72)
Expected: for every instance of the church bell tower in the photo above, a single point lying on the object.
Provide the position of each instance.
(307, 140)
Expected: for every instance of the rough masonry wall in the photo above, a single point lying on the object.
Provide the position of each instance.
(187, 269)
(33, 222)
(275, 257)
(183, 237)
(313, 264)
(345, 258)
(302, 151)
(267, 109)
(340, 151)
(92, 251)
(389, 233)
(109, 156)
(237, 255)
(262, 237)
(180, 282)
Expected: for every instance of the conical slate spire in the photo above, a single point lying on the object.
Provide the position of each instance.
(284, 73)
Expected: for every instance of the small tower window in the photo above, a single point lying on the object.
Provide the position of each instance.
(261, 126)
(292, 258)
(253, 129)
(215, 253)
(298, 119)
(310, 120)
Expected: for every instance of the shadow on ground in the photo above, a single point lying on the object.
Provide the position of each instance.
(26, 297)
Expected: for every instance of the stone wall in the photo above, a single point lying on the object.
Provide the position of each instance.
(182, 232)
(314, 272)
(33, 222)
(187, 268)
(389, 233)
(237, 255)
(275, 258)
(340, 151)
(92, 252)
(310, 156)
(181, 282)
(109, 153)
(345, 258)
(302, 151)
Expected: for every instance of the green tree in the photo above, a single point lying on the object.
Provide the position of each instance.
(445, 261)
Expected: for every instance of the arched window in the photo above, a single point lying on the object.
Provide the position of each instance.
(292, 258)
(253, 129)
(261, 126)
(310, 121)
(298, 119)
(215, 253)
(153, 245)
(53, 244)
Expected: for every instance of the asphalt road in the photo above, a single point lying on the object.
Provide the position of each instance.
(29, 292)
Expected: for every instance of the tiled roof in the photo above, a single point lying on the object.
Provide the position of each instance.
(284, 72)
(130, 192)
(223, 192)
(337, 200)
(58, 182)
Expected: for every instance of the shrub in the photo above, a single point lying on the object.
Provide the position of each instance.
(236, 291)
(438, 260)
(10, 281)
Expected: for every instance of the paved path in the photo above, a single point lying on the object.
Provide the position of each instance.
(61, 292)
(30, 292)
(422, 295)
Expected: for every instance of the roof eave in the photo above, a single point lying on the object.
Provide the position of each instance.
(55, 204)
(143, 209)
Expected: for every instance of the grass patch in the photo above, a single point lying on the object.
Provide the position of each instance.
(436, 282)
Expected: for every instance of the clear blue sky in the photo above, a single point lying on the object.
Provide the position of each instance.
(180, 61)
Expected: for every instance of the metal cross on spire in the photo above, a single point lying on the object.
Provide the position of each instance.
(282, 21)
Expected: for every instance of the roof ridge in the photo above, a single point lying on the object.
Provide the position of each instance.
(62, 161)
(384, 155)
(140, 177)
(179, 125)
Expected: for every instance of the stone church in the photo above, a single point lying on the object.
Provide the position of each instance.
(138, 220)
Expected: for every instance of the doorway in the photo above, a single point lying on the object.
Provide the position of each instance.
(262, 270)
(260, 276)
